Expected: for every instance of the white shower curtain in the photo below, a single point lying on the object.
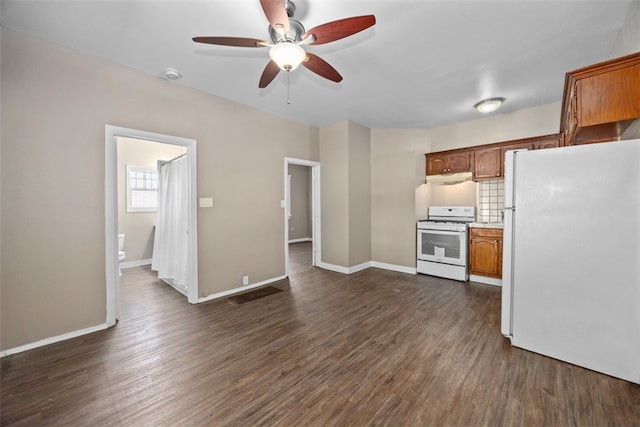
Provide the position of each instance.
(170, 247)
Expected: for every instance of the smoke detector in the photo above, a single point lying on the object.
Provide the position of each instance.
(172, 74)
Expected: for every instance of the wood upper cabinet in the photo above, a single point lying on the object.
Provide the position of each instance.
(445, 162)
(489, 159)
(485, 252)
(550, 141)
(601, 101)
(487, 163)
(522, 144)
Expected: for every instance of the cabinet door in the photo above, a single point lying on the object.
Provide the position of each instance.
(487, 163)
(530, 145)
(484, 260)
(609, 97)
(460, 162)
(519, 146)
(485, 252)
(437, 164)
(601, 101)
(549, 143)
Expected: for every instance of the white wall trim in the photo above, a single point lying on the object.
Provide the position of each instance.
(304, 239)
(138, 263)
(393, 267)
(316, 211)
(365, 265)
(359, 267)
(345, 270)
(333, 267)
(239, 290)
(53, 340)
(485, 280)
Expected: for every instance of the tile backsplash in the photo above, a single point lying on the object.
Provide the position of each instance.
(490, 200)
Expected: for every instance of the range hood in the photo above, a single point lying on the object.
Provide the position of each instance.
(452, 178)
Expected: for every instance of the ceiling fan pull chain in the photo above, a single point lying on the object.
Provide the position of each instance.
(288, 96)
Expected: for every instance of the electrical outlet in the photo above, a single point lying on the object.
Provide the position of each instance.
(245, 280)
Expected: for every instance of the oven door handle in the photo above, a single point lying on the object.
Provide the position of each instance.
(447, 232)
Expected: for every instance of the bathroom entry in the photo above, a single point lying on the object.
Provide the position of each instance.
(138, 195)
(131, 199)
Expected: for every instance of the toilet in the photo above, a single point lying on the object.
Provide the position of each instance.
(121, 254)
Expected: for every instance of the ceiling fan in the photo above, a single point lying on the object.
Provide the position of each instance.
(287, 37)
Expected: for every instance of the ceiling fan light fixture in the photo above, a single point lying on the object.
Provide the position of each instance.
(287, 55)
(489, 105)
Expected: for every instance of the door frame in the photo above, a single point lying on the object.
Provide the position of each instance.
(112, 133)
(316, 257)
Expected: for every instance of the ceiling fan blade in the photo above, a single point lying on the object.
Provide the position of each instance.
(230, 41)
(270, 72)
(321, 67)
(276, 15)
(336, 30)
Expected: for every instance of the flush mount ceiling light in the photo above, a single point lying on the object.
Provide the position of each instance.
(489, 105)
(287, 55)
(172, 74)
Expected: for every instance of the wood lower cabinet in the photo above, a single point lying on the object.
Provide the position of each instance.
(601, 101)
(485, 252)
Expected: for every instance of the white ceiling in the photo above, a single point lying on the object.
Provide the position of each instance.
(424, 64)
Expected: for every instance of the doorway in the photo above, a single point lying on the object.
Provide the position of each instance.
(308, 172)
(112, 134)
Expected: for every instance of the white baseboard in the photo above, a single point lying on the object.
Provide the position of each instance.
(345, 270)
(240, 289)
(393, 267)
(304, 239)
(365, 265)
(138, 263)
(54, 340)
(485, 280)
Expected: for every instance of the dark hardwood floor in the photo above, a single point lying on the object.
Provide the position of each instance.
(375, 347)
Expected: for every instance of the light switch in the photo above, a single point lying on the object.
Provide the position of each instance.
(206, 202)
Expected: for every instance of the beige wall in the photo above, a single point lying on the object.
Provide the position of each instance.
(300, 221)
(53, 127)
(359, 194)
(393, 225)
(346, 194)
(334, 152)
(138, 226)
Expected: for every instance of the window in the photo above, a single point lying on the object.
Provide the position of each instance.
(142, 189)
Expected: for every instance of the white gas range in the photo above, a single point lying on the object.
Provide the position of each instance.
(442, 242)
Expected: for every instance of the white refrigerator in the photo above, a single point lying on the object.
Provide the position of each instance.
(571, 266)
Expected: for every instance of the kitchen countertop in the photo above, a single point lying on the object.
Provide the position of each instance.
(487, 225)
